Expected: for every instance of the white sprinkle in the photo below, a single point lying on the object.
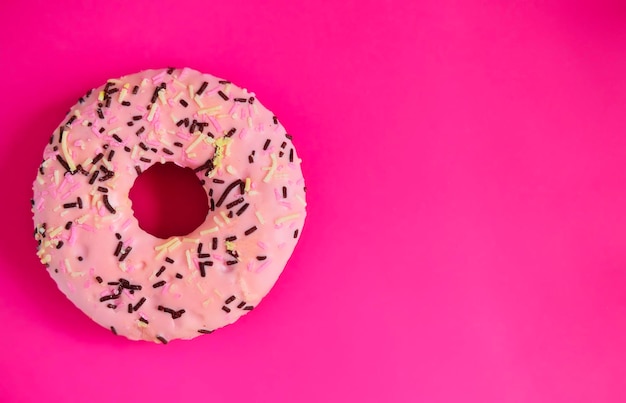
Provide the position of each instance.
(180, 84)
(189, 262)
(225, 217)
(198, 101)
(301, 200)
(210, 230)
(55, 232)
(161, 94)
(191, 92)
(114, 131)
(246, 187)
(272, 169)
(56, 177)
(77, 274)
(231, 170)
(166, 244)
(249, 122)
(82, 219)
(175, 245)
(192, 240)
(67, 265)
(287, 218)
(217, 221)
(197, 141)
(152, 112)
(66, 152)
(206, 302)
(210, 111)
(123, 92)
(133, 154)
(259, 217)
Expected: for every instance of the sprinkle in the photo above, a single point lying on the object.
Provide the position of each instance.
(267, 144)
(189, 262)
(286, 218)
(135, 89)
(225, 309)
(138, 170)
(231, 170)
(260, 217)
(291, 155)
(221, 94)
(126, 252)
(152, 112)
(179, 276)
(234, 203)
(161, 270)
(272, 169)
(144, 159)
(197, 141)
(113, 330)
(204, 331)
(139, 304)
(144, 320)
(210, 111)
(162, 339)
(158, 284)
(111, 154)
(68, 225)
(174, 245)
(301, 200)
(169, 260)
(225, 217)
(118, 249)
(250, 230)
(191, 240)
(166, 244)
(141, 130)
(210, 230)
(229, 299)
(178, 144)
(246, 187)
(168, 152)
(248, 308)
(241, 304)
(295, 233)
(117, 138)
(99, 279)
(231, 132)
(97, 158)
(93, 177)
(228, 189)
(198, 101)
(105, 200)
(284, 192)
(69, 205)
(231, 262)
(102, 189)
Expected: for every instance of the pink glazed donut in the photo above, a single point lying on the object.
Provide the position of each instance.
(141, 286)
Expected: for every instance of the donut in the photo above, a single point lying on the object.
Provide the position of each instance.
(136, 284)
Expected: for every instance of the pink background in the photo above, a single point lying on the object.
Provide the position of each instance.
(466, 167)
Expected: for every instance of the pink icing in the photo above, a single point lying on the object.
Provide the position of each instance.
(207, 297)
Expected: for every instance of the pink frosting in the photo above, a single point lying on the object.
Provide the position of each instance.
(155, 289)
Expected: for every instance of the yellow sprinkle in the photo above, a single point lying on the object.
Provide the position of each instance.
(191, 92)
(229, 245)
(217, 221)
(260, 217)
(114, 131)
(175, 245)
(198, 101)
(272, 169)
(142, 324)
(174, 118)
(95, 198)
(55, 232)
(77, 113)
(66, 152)
(231, 170)
(249, 122)
(192, 155)
(192, 240)
(161, 94)
(194, 143)
(166, 244)
(107, 164)
(227, 88)
(122, 266)
(85, 123)
(64, 213)
(40, 180)
(144, 82)
(246, 188)
(210, 111)
(57, 177)
(210, 230)
(287, 218)
(301, 200)
(46, 259)
(152, 112)
(189, 261)
(82, 219)
(133, 154)
(123, 92)
(92, 169)
(101, 96)
(77, 273)
(67, 265)
(41, 251)
(225, 217)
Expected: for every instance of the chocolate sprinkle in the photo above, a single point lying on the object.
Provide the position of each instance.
(162, 339)
(202, 88)
(118, 249)
(111, 154)
(68, 225)
(135, 89)
(217, 180)
(117, 138)
(248, 308)
(231, 238)
(97, 158)
(229, 299)
(113, 330)
(118, 236)
(103, 189)
(291, 155)
(295, 233)
(126, 252)
(144, 320)
(161, 270)
(79, 201)
(170, 70)
(139, 304)
(158, 284)
(275, 120)
(169, 260)
(214, 245)
(250, 230)
(204, 331)
(179, 276)
(240, 100)
(60, 245)
(144, 159)
(69, 205)
(225, 309)
(99, 279)
(168, 151)
(178, 144)
(125, 103)
(242, 209)
(141, 130)
(130, 308)
(250, 159)
(138, 170)
(261, 257)
(101, 130)
(63, 163)
(231, 262)
(93, 177)
(227, 191)
(221, 94)
(183, 103)
(234, 203)
(105, 200)
(241, 304)
(127, 149)
(231, 132)
(267, 144)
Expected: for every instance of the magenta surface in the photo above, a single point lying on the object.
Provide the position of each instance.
(466, 174)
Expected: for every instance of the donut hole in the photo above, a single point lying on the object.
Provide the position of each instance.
(169, 200)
